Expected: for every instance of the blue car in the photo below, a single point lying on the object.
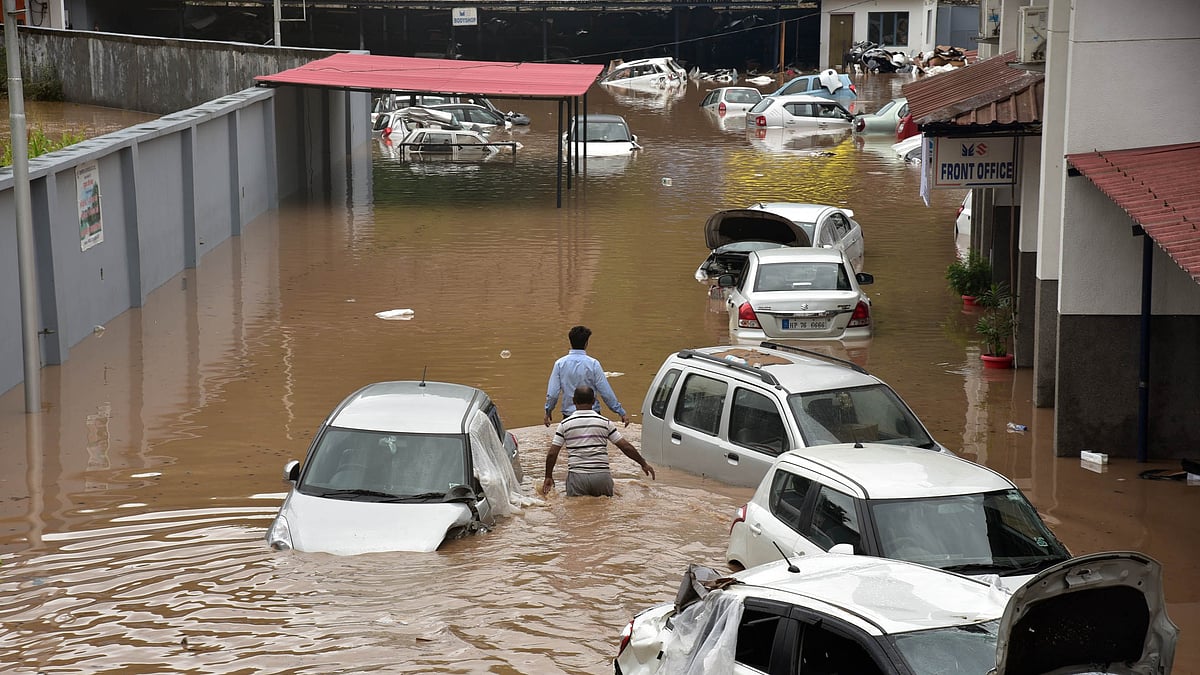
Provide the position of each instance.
(821, 84)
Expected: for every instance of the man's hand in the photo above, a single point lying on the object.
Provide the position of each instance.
(648, 470)
(547, 420)
(547, 484)
(625, 419)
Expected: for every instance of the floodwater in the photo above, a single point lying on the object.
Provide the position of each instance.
(132, 511)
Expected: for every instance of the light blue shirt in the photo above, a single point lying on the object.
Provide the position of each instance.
(576, 369)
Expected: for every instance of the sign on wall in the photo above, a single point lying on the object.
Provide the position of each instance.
(87, 187)
(464, 16)
(971, 162)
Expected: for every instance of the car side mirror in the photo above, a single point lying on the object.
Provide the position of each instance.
(726, 281)
(291, 471)
(864, 278)
(843, 548)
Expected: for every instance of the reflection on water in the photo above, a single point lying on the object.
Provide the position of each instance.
(132, 512)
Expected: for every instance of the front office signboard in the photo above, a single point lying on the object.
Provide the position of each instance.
(972, 162)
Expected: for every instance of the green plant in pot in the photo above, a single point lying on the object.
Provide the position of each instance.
(996, 324)
(970, 276)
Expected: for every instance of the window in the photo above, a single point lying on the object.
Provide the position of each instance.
(840, 224)
(662, 395)
(823, 651)
(758, 634)
(788, 492)
(700, 402)
(754, 422)
(835, 520)
(888, 28)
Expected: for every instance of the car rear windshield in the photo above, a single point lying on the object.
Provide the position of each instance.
(873, 413)
(606, 131)
(762, 105)
(802, 276)
(398, 465)
(743, 96)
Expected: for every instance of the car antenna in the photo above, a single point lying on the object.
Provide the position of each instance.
(423, 371)
(791, 566)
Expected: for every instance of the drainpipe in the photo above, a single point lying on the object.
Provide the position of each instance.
(1143, 422)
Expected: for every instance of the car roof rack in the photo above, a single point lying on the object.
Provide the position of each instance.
(759, 372)
(767, 344)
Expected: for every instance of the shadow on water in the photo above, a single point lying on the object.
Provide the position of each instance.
(132, 511)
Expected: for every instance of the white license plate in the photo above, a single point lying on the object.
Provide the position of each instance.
(806, 324)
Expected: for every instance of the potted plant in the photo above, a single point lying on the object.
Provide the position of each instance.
(996, 325)
(970, 276)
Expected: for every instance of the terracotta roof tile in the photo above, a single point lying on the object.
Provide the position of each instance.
(989, 93)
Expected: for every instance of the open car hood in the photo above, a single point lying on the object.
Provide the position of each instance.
(1099, 613)
(343, 527)
(735, 225)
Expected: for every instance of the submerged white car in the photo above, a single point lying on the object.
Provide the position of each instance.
(800, 111)
(400, 466)
(653, 73)
(892, 501)
(603, 135)
(829, 613)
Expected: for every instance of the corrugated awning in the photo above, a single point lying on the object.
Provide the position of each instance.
(989, 96)
(441, 76)
(1157, 187)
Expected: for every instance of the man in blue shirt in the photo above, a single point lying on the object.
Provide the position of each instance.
(577, 369)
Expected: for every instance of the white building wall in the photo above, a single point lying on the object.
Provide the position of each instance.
(922, 23)
(1054, 120)
(1117, 51)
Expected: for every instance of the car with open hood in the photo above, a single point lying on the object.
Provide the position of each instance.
(891, 501)
(400, 466)
(829, 613)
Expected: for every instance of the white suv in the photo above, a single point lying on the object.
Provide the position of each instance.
(727, 412)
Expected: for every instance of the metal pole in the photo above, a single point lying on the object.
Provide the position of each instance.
(277, 20)
(26, 263)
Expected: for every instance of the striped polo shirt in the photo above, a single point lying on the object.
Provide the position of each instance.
(585, 435)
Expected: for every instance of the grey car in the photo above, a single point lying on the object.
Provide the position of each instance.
(400, 466)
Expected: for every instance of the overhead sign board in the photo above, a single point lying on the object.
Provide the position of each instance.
(971, 162)
(464, 16)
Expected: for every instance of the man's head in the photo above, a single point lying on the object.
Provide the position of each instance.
(584, 397)
(579, 337)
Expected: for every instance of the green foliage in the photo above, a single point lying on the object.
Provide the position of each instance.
(997, 322)
(971, 276)
(42, 84)
(40, 144)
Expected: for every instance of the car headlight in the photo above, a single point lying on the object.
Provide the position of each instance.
(279, 535)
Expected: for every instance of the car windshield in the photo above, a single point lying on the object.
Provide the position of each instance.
(374, 466)
(968, 648)
(802, 276)
(873, 413)
(606, 131)
(984, 533)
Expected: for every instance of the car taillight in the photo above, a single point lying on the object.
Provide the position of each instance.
(760, 121)
(721, 108)
(861, 316)
(387, 131)
(853, 89)
(746, 317)
(959, 211)
(739, 517)
(626, 634)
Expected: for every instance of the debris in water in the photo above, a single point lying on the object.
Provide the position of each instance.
(395, 315)
(504, 353)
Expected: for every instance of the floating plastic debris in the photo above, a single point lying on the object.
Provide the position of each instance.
(1014, 428)
(666, 182)
(504, 353)
(98, 330)
(350, 300)
(612, 373)
(395, 315)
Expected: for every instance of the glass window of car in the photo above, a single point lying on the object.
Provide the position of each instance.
(823, 651)
(799, 86)
(969, 648)
(903, 111)
(786, 500)
(840, 225)
(383, 121)
(346, 461)
(662, 395)
(886, 107)
(831, 110)
(742, 96)
(759, 631)
(606, 131)
(799, 109)
(872, 413)
(999, 530)
(710, 97)
(762, 105)
(700, 403)
(835, 520)
(797, 276)
(493, 414)
(467, 139)
(755, 422)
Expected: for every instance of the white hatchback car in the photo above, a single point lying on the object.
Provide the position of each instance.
(731, 100)
(800, 112)
(726, 412)
(400, 466)
(605, 135)
(829, 613)
(890, 501)
(797, 293)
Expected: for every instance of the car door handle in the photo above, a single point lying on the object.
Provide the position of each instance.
(675, 437)
(755, 529)
(732, 457)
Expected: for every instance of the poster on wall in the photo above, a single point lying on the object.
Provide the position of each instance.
(87, 186)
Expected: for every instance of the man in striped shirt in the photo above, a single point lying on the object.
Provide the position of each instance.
(585, 434)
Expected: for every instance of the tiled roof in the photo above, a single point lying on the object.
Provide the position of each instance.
(1157, 188)
(988, 95)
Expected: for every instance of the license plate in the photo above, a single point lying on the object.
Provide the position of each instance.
(806, 324)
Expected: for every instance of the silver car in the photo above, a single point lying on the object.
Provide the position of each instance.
(800, 111)
(731, 100)
(400, 466)
(797, 294)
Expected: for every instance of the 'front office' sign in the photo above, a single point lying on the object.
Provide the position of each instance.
(972, 162)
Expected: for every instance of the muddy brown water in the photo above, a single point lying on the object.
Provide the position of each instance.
(132, 511)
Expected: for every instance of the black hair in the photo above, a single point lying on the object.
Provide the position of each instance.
(579, 336)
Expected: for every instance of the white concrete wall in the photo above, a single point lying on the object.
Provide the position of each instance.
(918, 39)
(1054, 121)
(1117, 49)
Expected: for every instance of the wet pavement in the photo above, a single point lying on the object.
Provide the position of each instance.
(132, 511)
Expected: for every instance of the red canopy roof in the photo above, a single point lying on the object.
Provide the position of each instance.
(441, 76)
(1157, 188)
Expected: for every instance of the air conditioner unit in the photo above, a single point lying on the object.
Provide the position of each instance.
(1032, 47)
(989, 20)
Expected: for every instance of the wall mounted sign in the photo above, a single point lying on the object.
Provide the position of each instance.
(972, 162)
(87, 188)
